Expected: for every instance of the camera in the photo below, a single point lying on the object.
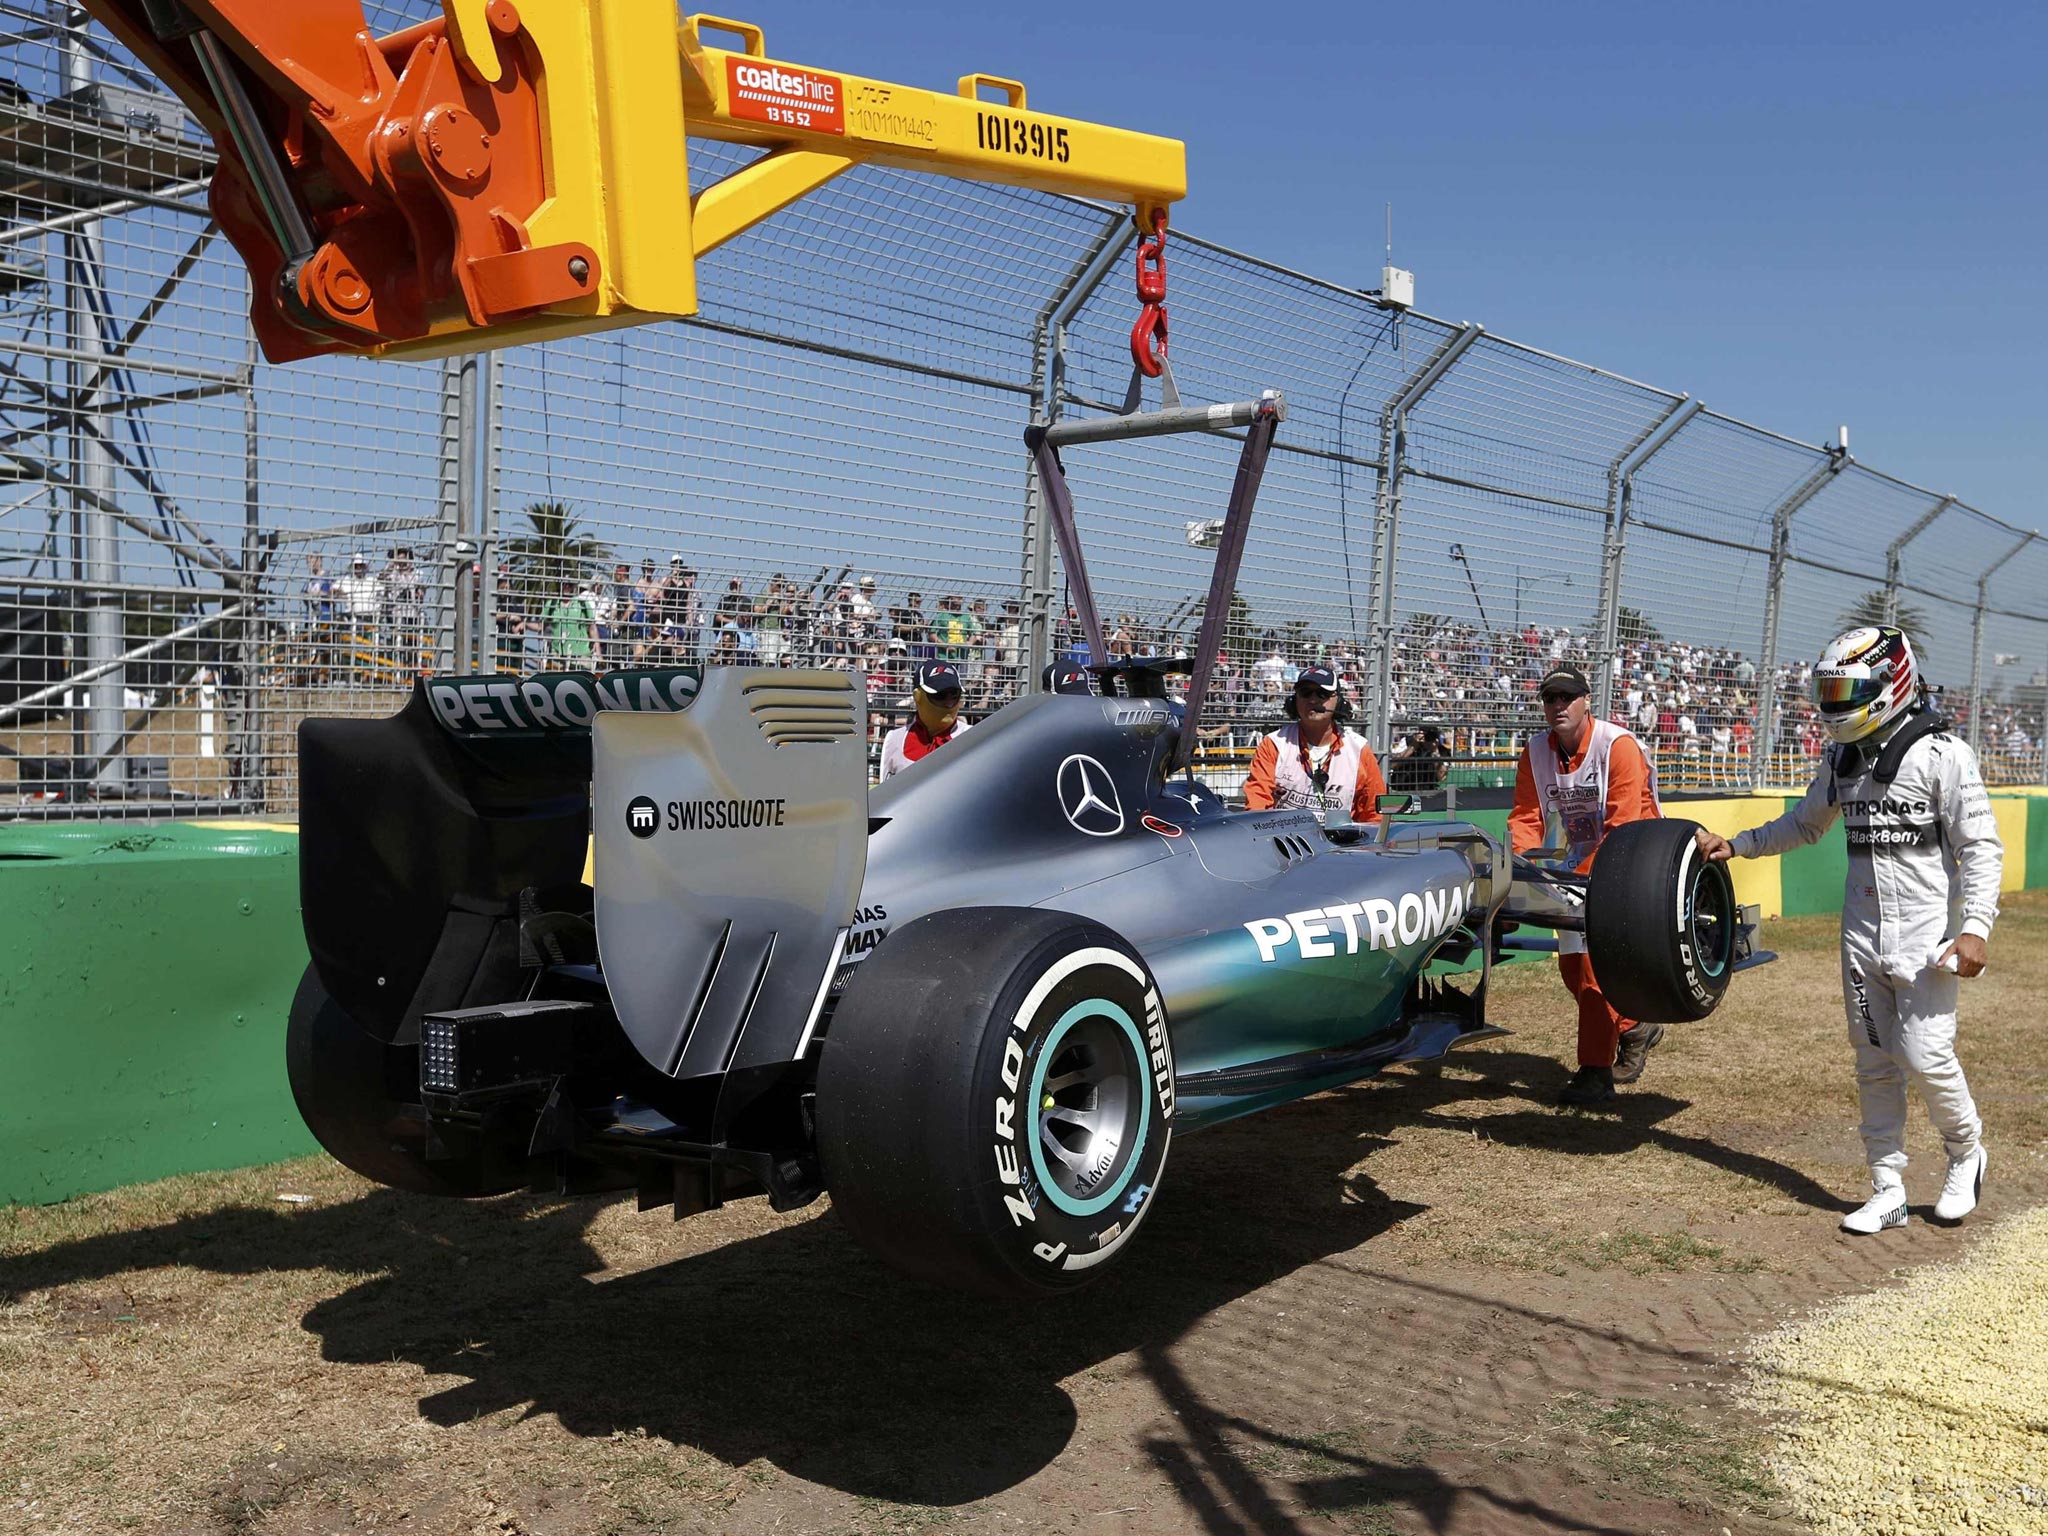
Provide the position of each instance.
(1422, 763)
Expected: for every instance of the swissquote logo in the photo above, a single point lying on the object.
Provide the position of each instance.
(643, 816)
(1088, 797)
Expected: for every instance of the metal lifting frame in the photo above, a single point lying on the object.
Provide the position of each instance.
(1621, 488)
(1045, 443)
(1774, 592)
(1897, 548)
(1387, 520)
(1261, 418)
(1976, 731)
(517, 170)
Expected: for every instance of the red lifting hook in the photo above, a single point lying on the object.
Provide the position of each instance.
(1148, 335)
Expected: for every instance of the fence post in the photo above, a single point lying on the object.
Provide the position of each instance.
(95, 531)
(1048, 371)
(465, 613)
(1766, 730)
(1896, 549)
(448, 628)
(250, 762)
(1387, 521)
(1621, 491)
(1975, 735)
(484, 509)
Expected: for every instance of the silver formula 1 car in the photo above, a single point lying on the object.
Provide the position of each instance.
(654, 930)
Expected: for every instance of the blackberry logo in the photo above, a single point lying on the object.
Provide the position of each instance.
(643, 816)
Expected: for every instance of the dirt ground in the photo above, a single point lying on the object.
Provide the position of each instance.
(1428, 1303)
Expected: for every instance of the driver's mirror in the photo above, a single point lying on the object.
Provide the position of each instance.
(1399, 805)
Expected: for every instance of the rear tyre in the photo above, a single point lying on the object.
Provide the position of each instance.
(359, 1097)
(995, 1100)
(1660, 922)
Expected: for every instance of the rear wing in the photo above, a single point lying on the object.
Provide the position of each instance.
(731, 845)
(426, 837)
(729, 810)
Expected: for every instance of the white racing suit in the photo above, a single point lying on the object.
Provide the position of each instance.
(1924, 867)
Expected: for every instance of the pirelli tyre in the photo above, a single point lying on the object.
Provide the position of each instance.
(995, 1100)
(359, 1096)
(1660, 922)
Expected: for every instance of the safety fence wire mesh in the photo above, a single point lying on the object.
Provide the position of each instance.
(2015, 671)
(1505, 481)
(1147, 508)
(163, 500)
(826, 466)
(1686, 677)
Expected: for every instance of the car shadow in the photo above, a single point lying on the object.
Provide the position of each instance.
(794, 1345)
(1635, 1119)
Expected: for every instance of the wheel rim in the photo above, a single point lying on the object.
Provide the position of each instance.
(1090, 1107)
(1710, 919)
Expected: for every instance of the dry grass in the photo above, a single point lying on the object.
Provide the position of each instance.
(1415, 1304)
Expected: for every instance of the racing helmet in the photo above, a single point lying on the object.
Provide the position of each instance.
(1864, 680)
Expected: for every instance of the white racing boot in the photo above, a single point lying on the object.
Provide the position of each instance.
(1963, 1187)
(1885, 1208)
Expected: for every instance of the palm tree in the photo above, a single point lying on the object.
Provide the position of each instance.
(1869, 610)
(554, 549)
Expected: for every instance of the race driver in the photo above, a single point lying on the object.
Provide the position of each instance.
(1924, 867)
(938, 718)
(1313, 761)
(1595, 776)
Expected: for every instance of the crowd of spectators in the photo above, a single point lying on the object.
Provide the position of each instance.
(1474, 689)
(672, 618)
(363, 618)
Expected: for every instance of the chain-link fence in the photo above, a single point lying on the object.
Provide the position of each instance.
(826, 466)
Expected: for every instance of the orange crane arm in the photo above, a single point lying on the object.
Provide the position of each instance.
(515, 170)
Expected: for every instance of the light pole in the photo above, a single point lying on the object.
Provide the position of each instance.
(1522, 581)
(1458, 555)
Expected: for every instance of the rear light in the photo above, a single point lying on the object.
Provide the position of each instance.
(474, 1056)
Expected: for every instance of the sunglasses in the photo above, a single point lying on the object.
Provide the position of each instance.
(1555, 697)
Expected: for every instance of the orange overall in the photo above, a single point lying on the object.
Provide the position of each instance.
(1631, 796)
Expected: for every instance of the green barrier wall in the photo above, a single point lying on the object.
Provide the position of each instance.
(145, 976)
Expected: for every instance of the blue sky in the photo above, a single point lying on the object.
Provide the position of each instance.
(1802, 216)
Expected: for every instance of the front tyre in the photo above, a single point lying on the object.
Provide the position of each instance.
(1660, 922)
(995, 1100)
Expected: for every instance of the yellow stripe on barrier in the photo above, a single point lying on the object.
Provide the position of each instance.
(1756, 880)
(2011, 811)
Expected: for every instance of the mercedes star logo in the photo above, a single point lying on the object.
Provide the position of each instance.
(1089, 797)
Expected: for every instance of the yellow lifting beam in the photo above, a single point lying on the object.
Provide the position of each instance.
(518, 170)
